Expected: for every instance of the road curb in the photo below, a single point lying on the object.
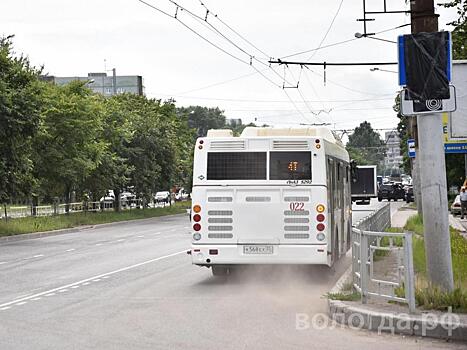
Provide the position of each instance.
(84, 228)
(360, 317)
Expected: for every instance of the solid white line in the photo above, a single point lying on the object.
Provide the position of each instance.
(38, 298)
(98, 244)
(86, 283)
(63, 290)
(21, 303)
(51, 291)
(96, 280)
(74, 287)
(5, 308)
(70, 250)
(38, 256)
(3, 262)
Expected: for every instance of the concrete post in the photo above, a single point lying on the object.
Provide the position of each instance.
(435, 202)
(416, 183)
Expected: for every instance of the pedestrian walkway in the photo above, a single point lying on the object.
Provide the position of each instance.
(400, 217)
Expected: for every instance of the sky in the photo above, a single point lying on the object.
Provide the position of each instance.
(72, 38)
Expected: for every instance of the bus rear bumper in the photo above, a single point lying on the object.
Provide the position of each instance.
(233, 254)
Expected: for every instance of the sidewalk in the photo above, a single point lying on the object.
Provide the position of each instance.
(458, 224)
(382, 316)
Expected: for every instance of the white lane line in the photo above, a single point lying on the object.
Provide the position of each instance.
(38, 256)
(21, 303)
(74, 287)
(141, 236)
(70, 250)
(51, 291)
(98, 244)
(105, 277)
(96, 280)
(3, 262)
(86, 283)
(119, 240)
(63, 290)
(5, 308)
(38, 298)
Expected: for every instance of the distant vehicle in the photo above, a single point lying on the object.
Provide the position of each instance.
(379, 180)
(409, 194)
(109, 197)
(391, 192)
(270, 196)
(456, 206)
(181, 195)
(364, 184)
(162, 197)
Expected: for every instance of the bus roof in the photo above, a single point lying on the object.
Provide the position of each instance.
(252, 132)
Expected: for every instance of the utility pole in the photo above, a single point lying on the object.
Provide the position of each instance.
(433, 172)
(114, 81)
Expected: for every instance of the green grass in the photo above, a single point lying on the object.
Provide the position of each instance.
(427, 296)
(353, 296)
(49, 223)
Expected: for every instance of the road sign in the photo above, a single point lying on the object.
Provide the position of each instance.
(451, 144)
(411, 148)
(416, 107)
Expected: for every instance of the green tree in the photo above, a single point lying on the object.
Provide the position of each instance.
(20, 103)
(67, 147)
(365, 145)
(459, 33)
(203, 118)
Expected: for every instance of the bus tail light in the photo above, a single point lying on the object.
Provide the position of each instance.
(320, 227)
(320, 217)
(320, 208)
(320, 236)
(197, 236)
(196, 218)
(197, 208)
(197, 227)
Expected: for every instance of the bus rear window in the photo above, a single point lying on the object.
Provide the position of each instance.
(290, 166)
(236, 166)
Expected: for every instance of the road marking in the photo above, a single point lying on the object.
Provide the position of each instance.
(105, 277)
(38, 256)
(110, 273)
(38, 298)
(119, 240)
(3, 262)
(74, 287)
(70, 250)
(98, 244)
(86, 283)
(96, 280)
(63, 290)
(141, 236)
(21, 303)
(5, 308)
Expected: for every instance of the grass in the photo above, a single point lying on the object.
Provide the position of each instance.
(428, 296)
(351, 296)
(49, 223)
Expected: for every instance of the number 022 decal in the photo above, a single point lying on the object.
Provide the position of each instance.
(297, 206)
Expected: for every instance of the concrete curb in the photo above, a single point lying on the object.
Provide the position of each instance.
(85, 228)
(447, 326)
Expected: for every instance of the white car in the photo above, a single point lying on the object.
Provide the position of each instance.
(162, 197)
(456, 206)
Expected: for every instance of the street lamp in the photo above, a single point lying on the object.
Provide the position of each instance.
(360, 35)
(382, 70)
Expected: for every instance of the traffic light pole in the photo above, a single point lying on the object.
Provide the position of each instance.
(432, 173)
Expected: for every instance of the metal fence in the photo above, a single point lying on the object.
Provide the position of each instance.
(367, 240)
(14, 212)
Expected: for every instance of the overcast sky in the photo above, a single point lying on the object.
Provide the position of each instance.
(72, 38)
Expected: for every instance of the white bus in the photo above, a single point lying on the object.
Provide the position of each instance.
(270, 196)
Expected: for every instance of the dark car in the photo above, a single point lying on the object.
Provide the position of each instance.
(391, 191)
(409, 194)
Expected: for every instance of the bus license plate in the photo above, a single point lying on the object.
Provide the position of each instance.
(258, 249)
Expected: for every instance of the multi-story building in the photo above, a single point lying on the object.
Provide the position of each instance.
(104, 84)
(393, 158)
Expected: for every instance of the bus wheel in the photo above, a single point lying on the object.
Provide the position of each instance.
(219, 270)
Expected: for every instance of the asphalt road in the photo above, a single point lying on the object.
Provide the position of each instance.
(131, 286)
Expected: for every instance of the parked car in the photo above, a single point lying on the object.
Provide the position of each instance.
(456, 206)
(409, 194)
(391, 191)
(162, 197)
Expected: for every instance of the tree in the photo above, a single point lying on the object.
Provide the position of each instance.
(365, 145)
(202, 118)
(20, 103)
(68, 147)
(403, 130)
(459, 34)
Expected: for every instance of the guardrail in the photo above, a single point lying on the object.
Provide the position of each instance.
(76, 207)
(367, 240)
